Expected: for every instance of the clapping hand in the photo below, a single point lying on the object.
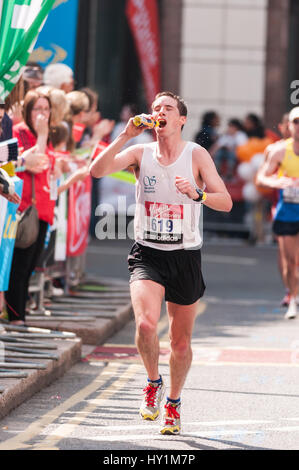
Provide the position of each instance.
(15, 198)
(35, 161)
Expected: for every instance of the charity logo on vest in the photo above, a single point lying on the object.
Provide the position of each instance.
(149, 183)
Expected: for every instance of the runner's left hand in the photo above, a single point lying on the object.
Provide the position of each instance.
(185, 187)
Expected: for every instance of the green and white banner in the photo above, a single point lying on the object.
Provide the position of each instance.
(20, 23)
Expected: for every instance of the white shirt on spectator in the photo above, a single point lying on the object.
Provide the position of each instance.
(232, 141)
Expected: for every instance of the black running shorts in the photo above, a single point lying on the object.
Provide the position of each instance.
(285, 228)
(179, 271)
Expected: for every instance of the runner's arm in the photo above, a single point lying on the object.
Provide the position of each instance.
(218, 198)
(267, 174)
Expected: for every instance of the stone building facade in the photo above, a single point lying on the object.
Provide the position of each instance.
(232, 56)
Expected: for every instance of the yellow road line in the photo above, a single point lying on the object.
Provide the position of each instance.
(37, 427)
(66, 429)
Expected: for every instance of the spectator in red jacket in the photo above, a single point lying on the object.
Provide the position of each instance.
(33, 132)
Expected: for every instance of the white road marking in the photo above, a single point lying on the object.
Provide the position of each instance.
(93, 432)
(146, 426)
(285, 429)
(216, 434)
(227, 423)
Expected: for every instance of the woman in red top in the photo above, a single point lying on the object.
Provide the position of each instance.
(33, 132)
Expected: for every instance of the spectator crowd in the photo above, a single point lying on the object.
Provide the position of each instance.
(240, 142)
(49, 121)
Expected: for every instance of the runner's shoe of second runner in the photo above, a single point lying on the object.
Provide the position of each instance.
(171, 419)
(153, 395)
(292, 310)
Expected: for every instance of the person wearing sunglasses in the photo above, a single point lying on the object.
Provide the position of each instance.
(281, 171)
(32, 76)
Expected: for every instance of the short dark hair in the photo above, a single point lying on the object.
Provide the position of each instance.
(236, 123)
(208, 118)
(258, 126)
(182, 107)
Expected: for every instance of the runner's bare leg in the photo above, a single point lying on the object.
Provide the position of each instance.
(290, 247)
(181, 321)
(147, 299)
(282, 265)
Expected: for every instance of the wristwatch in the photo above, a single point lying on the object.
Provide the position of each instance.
(202, 196)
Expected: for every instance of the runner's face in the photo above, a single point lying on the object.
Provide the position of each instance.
(166, 108)
(294, 129)
(283, 128)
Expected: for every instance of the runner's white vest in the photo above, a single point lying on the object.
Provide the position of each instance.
(165, 219)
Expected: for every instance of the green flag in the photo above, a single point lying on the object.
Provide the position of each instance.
(20, 23)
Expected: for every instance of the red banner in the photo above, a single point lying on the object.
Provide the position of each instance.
(144, 23)
(78, 217)
(98, 149)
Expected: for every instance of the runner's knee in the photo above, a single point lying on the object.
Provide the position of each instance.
(291, 261)
(180, 347)
(145, 326)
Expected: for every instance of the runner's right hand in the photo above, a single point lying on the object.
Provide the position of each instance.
(132, 131)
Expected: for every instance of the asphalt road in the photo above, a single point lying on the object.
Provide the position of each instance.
(241, 392)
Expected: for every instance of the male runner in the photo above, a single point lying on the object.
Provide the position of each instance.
(281, 171)
(283, 127)
(165, 261)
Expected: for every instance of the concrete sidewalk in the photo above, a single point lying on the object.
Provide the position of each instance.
(53, 340)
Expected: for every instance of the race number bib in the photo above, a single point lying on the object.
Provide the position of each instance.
(163, 222)
(291, 194)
